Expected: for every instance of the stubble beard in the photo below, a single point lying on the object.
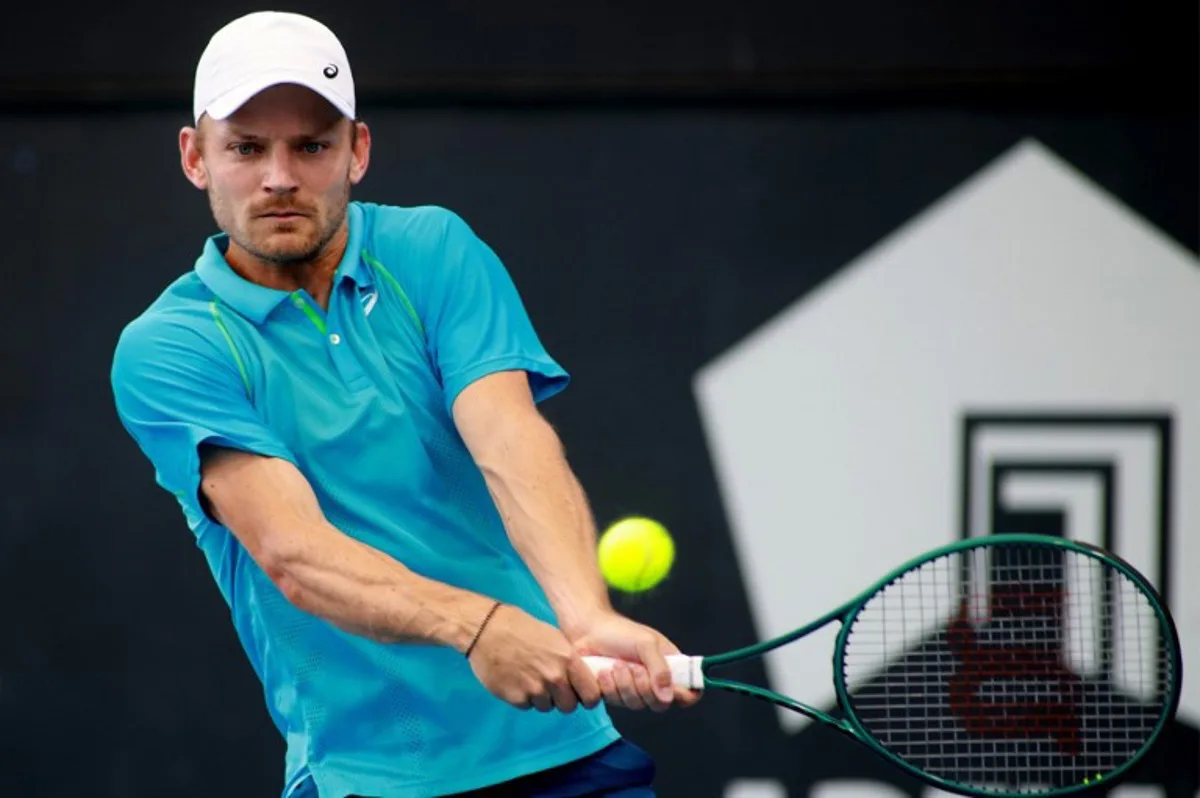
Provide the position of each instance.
(303, 253)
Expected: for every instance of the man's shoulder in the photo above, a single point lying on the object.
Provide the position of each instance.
(182, 315)
(409, 229)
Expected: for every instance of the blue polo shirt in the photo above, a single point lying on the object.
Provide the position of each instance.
(359, 399)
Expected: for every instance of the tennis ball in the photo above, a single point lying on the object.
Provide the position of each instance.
(635, 554)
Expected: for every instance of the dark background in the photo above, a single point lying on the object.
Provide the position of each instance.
(659, 177)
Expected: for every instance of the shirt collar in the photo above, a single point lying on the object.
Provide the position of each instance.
(257, 302)
(351, 266)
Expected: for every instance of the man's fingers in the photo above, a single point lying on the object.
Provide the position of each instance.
(641, 680)
(519, 700)
(585, 683)
(541, 700)
(685, 697)
(608, 687)
(659, 671)
(626, 689)
(563, 695)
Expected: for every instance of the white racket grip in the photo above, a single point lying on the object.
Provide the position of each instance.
(685, 670)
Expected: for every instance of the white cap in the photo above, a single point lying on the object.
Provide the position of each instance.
(267, 48)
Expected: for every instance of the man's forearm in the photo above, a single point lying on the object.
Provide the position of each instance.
(269, 506)
(366, 592)
(547, 516)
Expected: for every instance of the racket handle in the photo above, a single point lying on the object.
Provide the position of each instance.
(685, 670)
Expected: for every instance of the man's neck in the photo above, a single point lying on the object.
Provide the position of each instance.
(314, 276)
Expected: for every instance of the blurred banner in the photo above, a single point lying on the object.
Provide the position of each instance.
(1058, 54)
(940, 280)
(1011, 360)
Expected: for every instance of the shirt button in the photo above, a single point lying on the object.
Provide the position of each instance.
(298, 301)
(335, 339)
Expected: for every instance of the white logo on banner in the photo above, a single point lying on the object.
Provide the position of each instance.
(837, 428)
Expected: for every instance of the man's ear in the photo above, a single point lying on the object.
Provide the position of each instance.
(191, 156)
(361, 155)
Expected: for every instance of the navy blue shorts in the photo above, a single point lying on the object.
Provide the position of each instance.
(622, 770)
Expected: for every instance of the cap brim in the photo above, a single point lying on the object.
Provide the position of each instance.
(228, 103)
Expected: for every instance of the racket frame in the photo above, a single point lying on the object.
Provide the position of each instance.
(852, 726)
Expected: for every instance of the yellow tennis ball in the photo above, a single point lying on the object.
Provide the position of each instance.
(635, 554)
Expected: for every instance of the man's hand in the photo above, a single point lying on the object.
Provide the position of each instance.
(641, 678)
(528, 663)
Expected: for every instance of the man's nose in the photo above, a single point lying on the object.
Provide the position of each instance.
(280, 176)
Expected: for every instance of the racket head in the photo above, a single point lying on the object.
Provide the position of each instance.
(1010, 665)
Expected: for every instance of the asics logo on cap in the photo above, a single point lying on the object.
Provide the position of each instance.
(331, 71)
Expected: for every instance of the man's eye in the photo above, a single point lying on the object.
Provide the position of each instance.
(244, 148)
(313, 147)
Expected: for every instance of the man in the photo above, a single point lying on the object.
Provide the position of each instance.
(342, 397)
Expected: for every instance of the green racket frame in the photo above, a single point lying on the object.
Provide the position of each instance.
(853, 727)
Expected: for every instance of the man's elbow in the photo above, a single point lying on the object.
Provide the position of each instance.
(279, 557)
(282, 570)
(530, 430)
(291, 588)
(528, 435)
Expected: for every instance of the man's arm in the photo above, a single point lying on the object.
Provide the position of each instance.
(269, 505)
(271, 508)
(492, 366)
(540, 500)
(551, 526)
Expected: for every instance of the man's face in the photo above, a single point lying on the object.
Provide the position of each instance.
(278, 172)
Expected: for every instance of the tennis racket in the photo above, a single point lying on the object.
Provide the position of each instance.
(1008, 665)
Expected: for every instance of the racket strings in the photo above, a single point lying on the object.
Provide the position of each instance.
(1022, 668)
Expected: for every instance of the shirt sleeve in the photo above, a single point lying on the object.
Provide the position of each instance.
(173, 392)
(476, 321)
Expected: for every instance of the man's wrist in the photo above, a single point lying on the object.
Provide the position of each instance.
(575, 621)
(496, 605)
(457, 627)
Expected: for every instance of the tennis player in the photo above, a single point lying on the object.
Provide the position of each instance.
(343, 398)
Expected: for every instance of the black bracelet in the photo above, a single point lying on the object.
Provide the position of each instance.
(479, 631)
